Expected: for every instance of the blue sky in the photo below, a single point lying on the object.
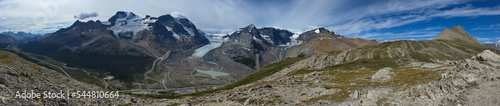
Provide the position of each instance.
(369, 19)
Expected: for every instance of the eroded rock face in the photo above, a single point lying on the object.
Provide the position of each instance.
(473, 81)
(488, 55)
(6, 39)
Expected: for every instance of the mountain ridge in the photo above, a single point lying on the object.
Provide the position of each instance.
(130, 41)
(6, 40)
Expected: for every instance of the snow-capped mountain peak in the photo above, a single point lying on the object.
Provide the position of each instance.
(127, 22)
(317, 30)
(178, 15)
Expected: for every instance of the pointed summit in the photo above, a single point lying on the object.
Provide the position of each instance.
(251, 26)
(456, 33)
(318, 32)
(249, 29)
(121, 15)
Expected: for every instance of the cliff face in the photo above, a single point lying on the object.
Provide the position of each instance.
(6, 40)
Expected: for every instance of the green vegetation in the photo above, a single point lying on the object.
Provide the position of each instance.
(127, 68)
(398, 53)
(380, 101)
(76, 73)
(349, 80)
(128, 104)
(356, 73)
(369, 64)
(424, 51)
(262, 73)
(1, 81)
(334, 52)
(250, 62)
(13, 60)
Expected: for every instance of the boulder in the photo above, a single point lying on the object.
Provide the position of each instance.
(383, 74)
(488, 55)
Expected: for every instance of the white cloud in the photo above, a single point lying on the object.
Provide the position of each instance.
(468, 10)
(86, 15)
(420, 34)
(344, 17)
(488, 39)
(490, 27)
(355, 27)
(435, 28)
(488, 42)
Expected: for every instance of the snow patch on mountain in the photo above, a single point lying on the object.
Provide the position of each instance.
(130, 23)
(267, 38)
(189, 30)
(106, 23)
(173, 33)
(293, 42)
(317, 30)
(177, 17)
(488, 42)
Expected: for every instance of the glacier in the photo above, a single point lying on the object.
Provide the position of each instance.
(215, 41)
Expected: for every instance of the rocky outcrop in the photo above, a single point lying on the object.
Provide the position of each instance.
(382, 74)
(488, 55)
(473, 81)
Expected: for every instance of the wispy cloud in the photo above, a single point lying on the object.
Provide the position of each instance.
(435, 28)
(355, 27)
(467, 11)
(345, 17)
(489, 27)
(415, 34)
(488, 39)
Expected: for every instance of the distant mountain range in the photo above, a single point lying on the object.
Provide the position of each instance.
(259, 65)
(493, 45)
(452, 66)
(24, 36)
(127, 46)
(6, 40)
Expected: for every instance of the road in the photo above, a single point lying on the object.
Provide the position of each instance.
(154, 65)
(53, 65)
